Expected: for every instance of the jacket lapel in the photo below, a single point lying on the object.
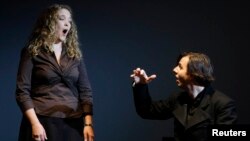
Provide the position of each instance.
(64, 60)
(180, 113)
(200, 113)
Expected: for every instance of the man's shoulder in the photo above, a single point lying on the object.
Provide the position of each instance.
(219, 97)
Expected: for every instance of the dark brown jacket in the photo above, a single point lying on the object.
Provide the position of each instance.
(51, 89)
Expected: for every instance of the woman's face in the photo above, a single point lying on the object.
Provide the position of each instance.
(63, 25)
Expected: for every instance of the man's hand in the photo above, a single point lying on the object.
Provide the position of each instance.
(139, 75)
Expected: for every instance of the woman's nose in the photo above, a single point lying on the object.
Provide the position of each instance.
(67, 23)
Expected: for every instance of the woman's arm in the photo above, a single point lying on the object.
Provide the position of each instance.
(38, 132)
(88, 131)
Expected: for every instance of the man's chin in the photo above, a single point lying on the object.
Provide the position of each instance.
(180, 85)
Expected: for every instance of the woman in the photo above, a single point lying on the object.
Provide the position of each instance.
(53, 90)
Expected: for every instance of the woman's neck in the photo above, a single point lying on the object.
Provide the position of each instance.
(57, 48)
(57, 45)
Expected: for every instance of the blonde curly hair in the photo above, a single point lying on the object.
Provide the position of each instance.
(43, 34)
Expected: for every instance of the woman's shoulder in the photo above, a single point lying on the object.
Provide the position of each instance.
(25, 51)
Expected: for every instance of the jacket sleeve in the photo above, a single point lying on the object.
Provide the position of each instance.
(148, 109)
(84, 89)
(23, 82)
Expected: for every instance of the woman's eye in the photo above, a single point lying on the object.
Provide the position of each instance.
(61, 17)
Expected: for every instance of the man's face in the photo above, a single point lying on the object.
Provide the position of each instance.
(183, 79)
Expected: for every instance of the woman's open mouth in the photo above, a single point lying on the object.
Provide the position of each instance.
(65, 31)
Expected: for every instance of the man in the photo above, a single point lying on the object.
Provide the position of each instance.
(195, 108)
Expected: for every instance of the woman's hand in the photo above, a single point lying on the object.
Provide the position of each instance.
(38, 132)
(88, 133)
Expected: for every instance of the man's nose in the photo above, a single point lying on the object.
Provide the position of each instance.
(174, 70)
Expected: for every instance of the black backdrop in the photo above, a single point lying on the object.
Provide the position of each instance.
(118, 36)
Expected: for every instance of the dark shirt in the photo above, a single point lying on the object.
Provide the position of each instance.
(51, 89)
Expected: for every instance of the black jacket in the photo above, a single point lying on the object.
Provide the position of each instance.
(191, 118)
